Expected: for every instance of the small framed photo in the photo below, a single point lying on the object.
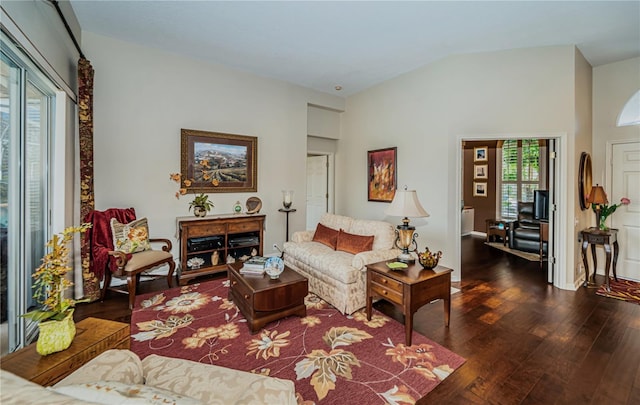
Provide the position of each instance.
(480, 154)
(479, 189)
(480, 171)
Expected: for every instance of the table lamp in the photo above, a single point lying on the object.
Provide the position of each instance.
(405, 204)
(597, 197)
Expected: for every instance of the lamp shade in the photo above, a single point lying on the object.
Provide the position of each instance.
(405, 204)
(597, 195)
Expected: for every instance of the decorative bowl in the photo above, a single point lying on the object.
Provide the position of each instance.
(274, 266)
(429, 260)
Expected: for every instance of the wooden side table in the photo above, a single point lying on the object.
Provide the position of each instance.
(596, 236)
(497, 228)
(409, 289)
(93, 336)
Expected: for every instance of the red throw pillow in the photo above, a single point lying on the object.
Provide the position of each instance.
(350, 243)
(326, 236)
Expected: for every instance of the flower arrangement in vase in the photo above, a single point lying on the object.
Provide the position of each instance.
(55, 318)
(608, 210)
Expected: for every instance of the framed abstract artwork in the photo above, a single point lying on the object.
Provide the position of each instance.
(219, 163)
(381, 174)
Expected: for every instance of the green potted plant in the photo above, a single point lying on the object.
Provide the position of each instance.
(55, 317)
(201, 205)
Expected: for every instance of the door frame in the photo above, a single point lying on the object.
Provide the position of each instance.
(331, 178)
(558, 278)
(608, 170)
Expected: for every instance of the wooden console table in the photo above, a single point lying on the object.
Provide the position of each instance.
(93, 336)
(596, 236)
(409, 289)
(214, 239)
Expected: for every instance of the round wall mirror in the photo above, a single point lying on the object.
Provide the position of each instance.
(584, 180)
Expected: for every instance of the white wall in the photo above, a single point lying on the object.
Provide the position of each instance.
(583, 143)
(425, 113)
(143, 97)
(613, 85)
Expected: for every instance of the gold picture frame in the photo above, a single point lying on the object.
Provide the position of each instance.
(381, 174)
(218, 163)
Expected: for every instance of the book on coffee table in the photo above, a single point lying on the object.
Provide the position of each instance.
(254, 263)
(251, 272)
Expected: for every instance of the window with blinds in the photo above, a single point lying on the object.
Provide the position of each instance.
(520, 174)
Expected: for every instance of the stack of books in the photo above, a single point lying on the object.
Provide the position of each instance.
(254, 266)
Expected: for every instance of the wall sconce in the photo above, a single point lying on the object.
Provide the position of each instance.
(406, 204)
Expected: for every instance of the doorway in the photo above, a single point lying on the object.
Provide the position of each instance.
(319, 187)
(624, 161)
(480, 169)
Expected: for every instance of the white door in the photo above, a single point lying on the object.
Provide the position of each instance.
(317, 189)
(625, 166)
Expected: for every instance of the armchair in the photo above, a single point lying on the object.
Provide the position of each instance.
(107, 261)
(525, 233)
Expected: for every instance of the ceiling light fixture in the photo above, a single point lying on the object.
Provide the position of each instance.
(338, 88)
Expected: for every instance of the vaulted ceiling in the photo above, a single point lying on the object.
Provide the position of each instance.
(358, 44)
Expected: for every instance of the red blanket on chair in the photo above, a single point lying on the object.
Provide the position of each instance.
(100, 238)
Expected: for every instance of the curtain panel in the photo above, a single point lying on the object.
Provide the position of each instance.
(90, 283)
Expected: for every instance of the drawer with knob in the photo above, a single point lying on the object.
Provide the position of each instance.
(383, 289)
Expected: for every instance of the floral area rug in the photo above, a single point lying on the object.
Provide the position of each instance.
(625, 290)
(331, 358)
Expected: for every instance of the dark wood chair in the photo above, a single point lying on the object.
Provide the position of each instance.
(111, 263)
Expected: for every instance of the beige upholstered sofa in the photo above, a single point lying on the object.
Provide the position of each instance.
(336, 276)
(119, 376)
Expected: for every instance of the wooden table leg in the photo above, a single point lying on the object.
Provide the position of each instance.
(408, 328)
(615, 259)
(607, 265)
(585, 261)
(447, 309)
(595, 263)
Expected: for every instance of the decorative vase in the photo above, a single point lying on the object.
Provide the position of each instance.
(56, 336)
(286, 198)
(603, 224)
(215, 258)
(199, 211)
(429, 260)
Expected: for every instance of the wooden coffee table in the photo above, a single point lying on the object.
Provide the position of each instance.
(262, 300)
(409, 289)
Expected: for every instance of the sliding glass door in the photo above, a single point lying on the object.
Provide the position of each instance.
(26, 113)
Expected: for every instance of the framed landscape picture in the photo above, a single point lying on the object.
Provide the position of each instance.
(480, 154)
(381, 175)
(480, 171)
(218, 163)
(479, 189)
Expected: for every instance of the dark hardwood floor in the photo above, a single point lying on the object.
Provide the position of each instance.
(525, 341)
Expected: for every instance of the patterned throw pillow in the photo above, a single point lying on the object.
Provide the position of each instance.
(132, 237)
(326, 236)
(350, 243)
